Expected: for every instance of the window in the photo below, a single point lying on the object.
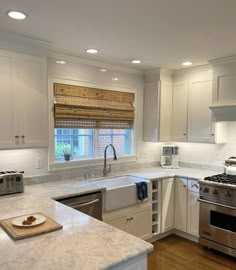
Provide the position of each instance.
(87, 119)
(90, 143)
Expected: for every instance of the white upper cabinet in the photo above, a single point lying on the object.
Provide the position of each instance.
(179, 112)
(157, 111)
(199, 114)
(24, 110)
(165, 110)
(192, 118)
(33, 74)
(9, 123)
(224, 83)
(224, 90)
(151, 111)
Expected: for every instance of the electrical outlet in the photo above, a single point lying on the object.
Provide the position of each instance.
(38, 163)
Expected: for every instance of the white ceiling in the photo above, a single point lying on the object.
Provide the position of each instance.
(163, 33)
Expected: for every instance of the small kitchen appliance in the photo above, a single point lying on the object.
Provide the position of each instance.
(170, 157)
(230, 166)
(11, 182)
(217, 223)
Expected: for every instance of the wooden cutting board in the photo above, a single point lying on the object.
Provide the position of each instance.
(18, 233)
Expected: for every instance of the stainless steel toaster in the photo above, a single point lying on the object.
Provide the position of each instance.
(11, 182)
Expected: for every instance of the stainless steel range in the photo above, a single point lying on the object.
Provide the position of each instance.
(217, 225)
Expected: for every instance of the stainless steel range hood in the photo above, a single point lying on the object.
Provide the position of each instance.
(223, 112)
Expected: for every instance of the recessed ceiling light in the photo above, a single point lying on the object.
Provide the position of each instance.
(115, 79)
(136, 61)
(92, 51)
(103, 70)
(187, 63)
(17, 15)
(61, 62)
(210, 70)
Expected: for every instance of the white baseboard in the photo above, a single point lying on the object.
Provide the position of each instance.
(174, 231)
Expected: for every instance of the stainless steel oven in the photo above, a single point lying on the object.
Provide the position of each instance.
(217, 223)
(218, 226)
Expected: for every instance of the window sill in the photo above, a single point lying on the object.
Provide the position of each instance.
(73, 164)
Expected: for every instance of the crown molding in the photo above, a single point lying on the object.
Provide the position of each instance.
(196, 68)
(226, 60)
(23, 44)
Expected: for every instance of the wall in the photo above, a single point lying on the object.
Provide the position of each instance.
(209, 154)
(85, 73)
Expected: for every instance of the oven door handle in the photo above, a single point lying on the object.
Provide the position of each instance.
(217, 204)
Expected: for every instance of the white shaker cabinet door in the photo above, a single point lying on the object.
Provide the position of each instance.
(180, 111)
(141, 224)
(119, 223)
(181, 198)
(151, 111)
(165, 111)
(33, 112)
(199, 115)
(9, 123)
(193, 213)
(168, 205)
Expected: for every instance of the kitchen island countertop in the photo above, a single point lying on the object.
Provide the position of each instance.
(84, 242)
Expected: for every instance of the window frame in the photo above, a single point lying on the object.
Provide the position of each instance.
(94, 148)
(57, 165)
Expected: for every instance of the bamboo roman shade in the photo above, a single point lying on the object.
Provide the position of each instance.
(85, 107)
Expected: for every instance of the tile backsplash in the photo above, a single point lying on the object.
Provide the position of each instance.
(202, 155)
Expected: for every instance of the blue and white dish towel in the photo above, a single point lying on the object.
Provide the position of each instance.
(142, 191)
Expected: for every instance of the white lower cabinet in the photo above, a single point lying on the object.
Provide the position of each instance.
(119, 223)
(181, 198)
(140, 224)
(179, 205)
(167, 205)
(174, 206)
(193, 208)
(187, 206)
(136, 220)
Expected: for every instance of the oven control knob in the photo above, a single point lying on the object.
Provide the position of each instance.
(215, 192)
(206, 190)
(228, 193)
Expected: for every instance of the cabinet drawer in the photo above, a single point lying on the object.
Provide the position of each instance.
(193, 185)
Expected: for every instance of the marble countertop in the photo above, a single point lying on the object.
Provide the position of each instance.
(84, 242)
(158, 172)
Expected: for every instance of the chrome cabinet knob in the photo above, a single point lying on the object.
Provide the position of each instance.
(23, 139)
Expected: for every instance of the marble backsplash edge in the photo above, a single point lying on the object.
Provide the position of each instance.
(88, 172)
(199, 166)
(96, 171)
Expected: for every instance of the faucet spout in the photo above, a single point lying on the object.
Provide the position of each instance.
(105, 170)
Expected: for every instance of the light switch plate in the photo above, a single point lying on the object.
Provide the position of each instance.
(38, 163)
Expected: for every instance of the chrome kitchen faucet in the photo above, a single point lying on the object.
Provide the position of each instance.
(105, 170)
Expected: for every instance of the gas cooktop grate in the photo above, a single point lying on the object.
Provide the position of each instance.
(7, 172)
(222, 178)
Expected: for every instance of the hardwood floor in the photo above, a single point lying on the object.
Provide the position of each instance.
(177, 253)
